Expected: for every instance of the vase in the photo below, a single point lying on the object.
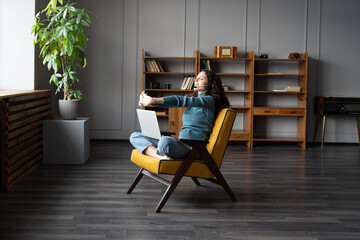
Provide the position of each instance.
(69, 109)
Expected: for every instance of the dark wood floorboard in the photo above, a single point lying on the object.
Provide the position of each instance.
(283, 193)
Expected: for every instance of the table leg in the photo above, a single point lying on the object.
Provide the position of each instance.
(358, 127)
(316, 126)
(323, 132)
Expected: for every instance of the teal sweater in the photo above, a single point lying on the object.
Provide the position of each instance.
(198, 119)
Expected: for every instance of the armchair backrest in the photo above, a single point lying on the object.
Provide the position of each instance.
(220, 134)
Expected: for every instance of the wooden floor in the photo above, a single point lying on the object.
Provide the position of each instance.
(283, 192)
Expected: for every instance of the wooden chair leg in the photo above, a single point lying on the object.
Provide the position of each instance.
(196, 181)
(137, 179)
(316, 127)
(215, 170)
(323, 132)
(358, 128)
(178, 176)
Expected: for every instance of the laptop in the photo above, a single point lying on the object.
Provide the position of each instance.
(149, 123)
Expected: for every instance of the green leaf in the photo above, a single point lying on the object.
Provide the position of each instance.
(69, 47)
(64, 14)
(54, 65)
(53, 4)
(49, 65)
(85, 23)
(78, 19)
(65, 32)
(54, 79)
(47, 7)
(84, 62)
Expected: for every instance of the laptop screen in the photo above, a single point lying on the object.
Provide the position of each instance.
(148, 123)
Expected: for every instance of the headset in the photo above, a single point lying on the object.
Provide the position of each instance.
(201, 88)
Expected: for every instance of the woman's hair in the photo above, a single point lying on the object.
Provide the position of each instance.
(215, 89)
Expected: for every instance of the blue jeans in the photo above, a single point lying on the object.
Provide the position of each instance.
(166, 146)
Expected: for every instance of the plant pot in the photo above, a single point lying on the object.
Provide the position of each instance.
(69, 109)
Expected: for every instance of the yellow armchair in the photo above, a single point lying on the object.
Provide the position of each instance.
(211, 153)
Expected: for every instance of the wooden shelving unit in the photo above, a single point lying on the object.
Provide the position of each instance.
(244, 133)
(240, 133)
(298, 111)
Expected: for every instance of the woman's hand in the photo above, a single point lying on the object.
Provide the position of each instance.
(145, 100)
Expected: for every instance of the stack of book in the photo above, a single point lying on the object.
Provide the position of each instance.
(153, 65)
(187, 83)
(293, 89)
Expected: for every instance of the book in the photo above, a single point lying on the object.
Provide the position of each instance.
(206, 64)
(155, 66)
(184, 84)
(187, 83)
(148, 65)
(160, 67)
(293, 88)
(190, 81)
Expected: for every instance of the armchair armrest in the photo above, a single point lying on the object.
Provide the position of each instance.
(194, 143)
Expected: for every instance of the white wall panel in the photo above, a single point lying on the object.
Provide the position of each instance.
(222, 23)
(102, 80)
(282, 27)
(161, 27)
(327, 29)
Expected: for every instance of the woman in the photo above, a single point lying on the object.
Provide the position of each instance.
(198, 120)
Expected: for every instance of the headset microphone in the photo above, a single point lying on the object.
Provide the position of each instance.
(200, 88)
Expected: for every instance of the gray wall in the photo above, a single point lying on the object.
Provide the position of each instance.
(326, 29)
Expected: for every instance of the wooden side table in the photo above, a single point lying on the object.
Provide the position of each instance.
(325, 106)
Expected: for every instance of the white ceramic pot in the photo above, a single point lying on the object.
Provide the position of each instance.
(69, 109)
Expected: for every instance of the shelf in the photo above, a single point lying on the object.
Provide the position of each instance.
(174, 58)
(282, 92)
(171, 73)
(214, 58)
(167, 90)
(277, 139)
(280, 60)
(239, 109)
(190, 90)
(233, 74)
(236, 91)
(162, 114)
(278, 75)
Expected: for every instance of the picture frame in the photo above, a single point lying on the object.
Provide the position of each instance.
(225, 52)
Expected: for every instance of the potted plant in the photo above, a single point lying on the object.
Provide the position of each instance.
(59, 32)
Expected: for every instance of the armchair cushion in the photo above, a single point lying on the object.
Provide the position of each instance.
(165, 166)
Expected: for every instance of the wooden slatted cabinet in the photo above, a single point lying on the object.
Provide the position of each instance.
(21, 135)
